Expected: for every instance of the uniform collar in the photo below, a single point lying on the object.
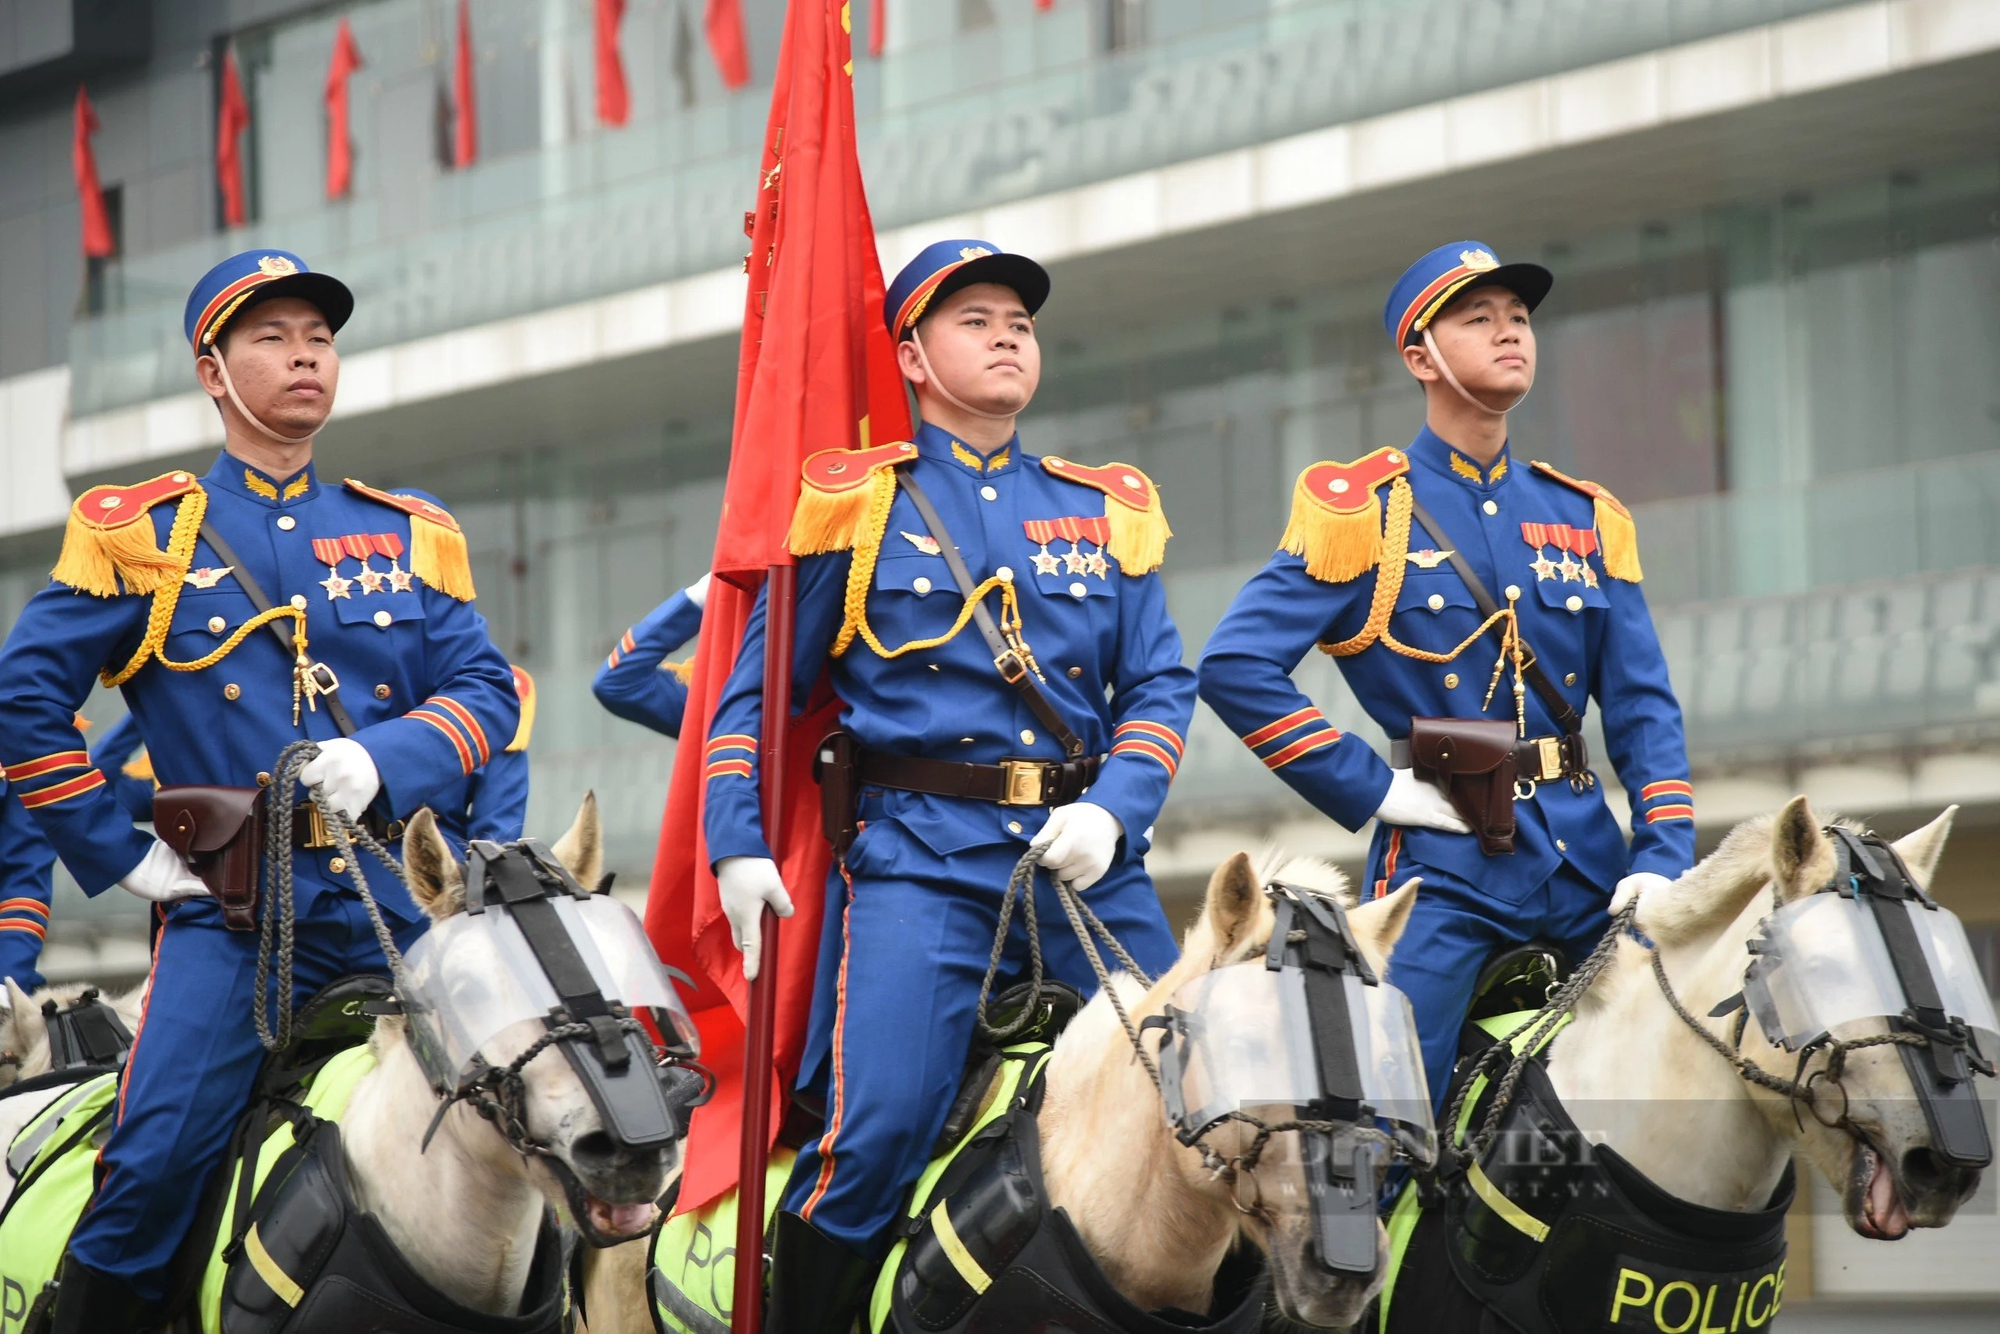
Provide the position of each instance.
(234, 475)
(943, 447)
(1430, 450)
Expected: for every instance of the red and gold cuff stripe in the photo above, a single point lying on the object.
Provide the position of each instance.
(1155, 741)
(1675, 797)
(26, 925)
(730, 754)
(1673, 787)
(34, 920)
(70, 787)
(1307, 728)
(625, 645)
(48, 764)
(725, 768)
(445, 724)
(474, 733)
(1679, 812)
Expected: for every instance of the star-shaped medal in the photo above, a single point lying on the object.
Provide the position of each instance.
(1046, 563)
(1097, 564)
(399, 579)
(1074, 563)
(336, 586)
(1569, 569)
(1543, 567)
(1589, 576)
(371, 580)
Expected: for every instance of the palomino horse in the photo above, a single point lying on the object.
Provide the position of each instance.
(466, 1211)
(1684, 1116)
(1156, 1218)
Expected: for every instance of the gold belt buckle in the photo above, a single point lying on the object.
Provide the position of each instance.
(1023, 782)
(317, 834)
(1551, 757)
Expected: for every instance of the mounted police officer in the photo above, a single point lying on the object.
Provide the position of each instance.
(240, 611)
(1475, 603)
(1055, 716)
(636, 682)
(27, 883)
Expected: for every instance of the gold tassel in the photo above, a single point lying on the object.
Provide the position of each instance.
(683, 671)
(830, 520)
(140, 767)
(1338, 545)
(94, 558)
(1138, 537)
(438, 556)
(524, 686)
(1620, 538)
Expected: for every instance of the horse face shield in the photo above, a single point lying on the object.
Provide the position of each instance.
(1307, 1034)
(533, 951)
(1872, 946)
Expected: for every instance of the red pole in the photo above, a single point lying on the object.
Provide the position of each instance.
(746, 1315)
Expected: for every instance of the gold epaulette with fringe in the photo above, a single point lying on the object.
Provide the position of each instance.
(1617, 535)
(106, 545)
(1139, 530)
(680, 671)
(840, 490)
(524, 686)
(1336, 521)
(438, 554)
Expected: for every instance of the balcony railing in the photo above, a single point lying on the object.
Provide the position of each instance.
(1032, 104)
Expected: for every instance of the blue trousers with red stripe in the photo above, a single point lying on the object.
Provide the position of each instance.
(1455, 928)
(909, 934)
(192, 1068)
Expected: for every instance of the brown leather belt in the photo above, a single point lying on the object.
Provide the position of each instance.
(1538, 759)
(309, 828)
(1025, 782)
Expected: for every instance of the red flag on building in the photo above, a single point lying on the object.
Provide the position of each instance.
(614, 99)
(817, 371)
(465, 121)
(1045, 4)
(878, 26)
(726, 42)
(98, 242)
(232, 117)
(339, 150)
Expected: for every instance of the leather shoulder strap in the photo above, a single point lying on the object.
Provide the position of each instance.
(1560, 710)
(1024, 681)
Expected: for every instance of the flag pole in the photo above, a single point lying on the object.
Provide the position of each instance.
(760, 1029)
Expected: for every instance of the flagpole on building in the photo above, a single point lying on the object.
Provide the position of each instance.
(746, 1314)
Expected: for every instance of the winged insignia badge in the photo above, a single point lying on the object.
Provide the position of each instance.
(206, 577)
(1427, 559)
(924, 542)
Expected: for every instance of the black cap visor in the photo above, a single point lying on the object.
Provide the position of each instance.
(1530, 282)
(1027, 279)
(323, 290)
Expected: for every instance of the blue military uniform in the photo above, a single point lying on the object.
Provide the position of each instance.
(1358, 579)
(120, 755)
(637, 682)
(912, 912)
(493, 802)
(141, 599)
(27, 881)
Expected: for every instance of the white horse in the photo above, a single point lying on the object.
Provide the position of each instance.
(1681, 1114)
(466, 1212)
(1157, 1220)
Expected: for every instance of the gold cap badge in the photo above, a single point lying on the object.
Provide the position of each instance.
(974, 252)
(276, 266)
(1479, 261)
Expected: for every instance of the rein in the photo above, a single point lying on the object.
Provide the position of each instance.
(1020, 886)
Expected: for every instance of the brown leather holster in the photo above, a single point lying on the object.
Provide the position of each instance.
(1474, 761)
(219, 833)
(836, 770)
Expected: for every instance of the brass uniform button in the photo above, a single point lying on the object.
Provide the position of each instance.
(1561, 846)
(1451, 680)
(1490, 507)
(263, 779)
(338, 865)
(1013, 826)
(1027, 736)
(1569, 679)
(232, 691)
(1075, 672)
(1436, 601)
(382, 618)
(287, 522)
(299, 601)
(1574, 603)
(382, 692)
(216, 625)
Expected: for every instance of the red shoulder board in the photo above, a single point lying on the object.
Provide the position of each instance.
(1347, 488)
(1591, 489)
(845, 469)
(1120, 481)
(109, 507)
(413, 506)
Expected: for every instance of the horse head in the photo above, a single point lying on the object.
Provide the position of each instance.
(1160, 1215)
(1858, 1115)
(610, 1188)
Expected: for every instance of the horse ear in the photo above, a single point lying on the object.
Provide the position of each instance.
(581, 850)
(435, 881)
(1378, 924)
(1234, 896)
(1801, 854)
(1921, 849)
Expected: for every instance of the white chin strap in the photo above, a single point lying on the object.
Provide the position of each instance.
(938, 384)
(229, 387)
(1444, 369)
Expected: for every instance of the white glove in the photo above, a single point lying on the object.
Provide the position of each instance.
(1416, 804)
(697, 592)
(346, 775)
(1078, 843)
(1633, 885)
(161, 877)
(749, 885)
